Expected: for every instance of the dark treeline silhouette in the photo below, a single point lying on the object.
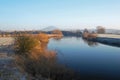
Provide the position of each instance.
(100, 30)
(76, 33)
(69, 33)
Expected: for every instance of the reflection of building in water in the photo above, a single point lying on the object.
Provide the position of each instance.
(90, 43)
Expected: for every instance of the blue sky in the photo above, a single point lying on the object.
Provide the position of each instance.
(72, 14)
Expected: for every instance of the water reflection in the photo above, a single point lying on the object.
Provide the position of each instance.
(90, 43)
(97, 62)
(95, 42)
(58, 38)
(110, 44)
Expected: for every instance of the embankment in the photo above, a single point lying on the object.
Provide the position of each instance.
(109, 39)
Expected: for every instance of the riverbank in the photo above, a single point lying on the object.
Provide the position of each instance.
(113, 36)
(8, 68)
(38, 63)
(109, 39)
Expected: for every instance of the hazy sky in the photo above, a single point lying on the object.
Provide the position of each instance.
(36, 14)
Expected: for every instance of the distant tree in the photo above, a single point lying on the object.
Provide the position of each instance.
(93, 32)
(3, 34)
(85, 31)
(100, 30)
(57, 32)
(78, 32)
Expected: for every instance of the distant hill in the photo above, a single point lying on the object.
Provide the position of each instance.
(50, 28)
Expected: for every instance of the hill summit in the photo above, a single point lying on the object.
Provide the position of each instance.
(50, 28)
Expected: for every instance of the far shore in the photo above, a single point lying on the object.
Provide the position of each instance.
(109, 36)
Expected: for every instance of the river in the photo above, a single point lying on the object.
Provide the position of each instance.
(93, 61)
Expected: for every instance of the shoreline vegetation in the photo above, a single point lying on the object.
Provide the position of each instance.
(53, 33)
(102, 37)
(33, 58)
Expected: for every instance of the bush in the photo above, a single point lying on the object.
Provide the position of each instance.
(42, 37)
(44, 67)
(24, 44)
(100, 30)
(39, 65)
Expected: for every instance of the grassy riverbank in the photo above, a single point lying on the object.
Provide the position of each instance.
(32, 58)
(109, 36)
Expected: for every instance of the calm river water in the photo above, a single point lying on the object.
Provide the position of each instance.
(93, 61)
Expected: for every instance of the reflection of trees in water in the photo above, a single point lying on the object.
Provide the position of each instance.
(78, 38)
(110, 44)
(90, 43)
(58, 38)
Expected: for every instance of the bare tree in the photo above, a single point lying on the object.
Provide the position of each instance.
(100, 30)
(85, 31)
